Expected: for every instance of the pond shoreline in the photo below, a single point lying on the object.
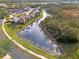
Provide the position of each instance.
(51, 39)
(38, 37)
(47, 33)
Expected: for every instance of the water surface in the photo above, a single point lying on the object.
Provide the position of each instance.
(34, 35)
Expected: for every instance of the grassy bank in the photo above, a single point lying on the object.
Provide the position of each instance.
(12, 32)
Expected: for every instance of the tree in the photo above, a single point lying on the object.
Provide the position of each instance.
(3, 12)
(4, 47)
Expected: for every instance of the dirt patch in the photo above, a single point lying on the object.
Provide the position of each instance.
(71, 13)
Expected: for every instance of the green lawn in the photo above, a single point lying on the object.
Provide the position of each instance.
(12, 32)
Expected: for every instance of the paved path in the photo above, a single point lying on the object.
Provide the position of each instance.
(29, 51)
(17, 53)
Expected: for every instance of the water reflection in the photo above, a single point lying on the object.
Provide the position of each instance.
(34, 35)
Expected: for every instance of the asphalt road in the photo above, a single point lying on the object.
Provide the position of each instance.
(18, 53)
(22, 47)
(2, 35)
(15, 51)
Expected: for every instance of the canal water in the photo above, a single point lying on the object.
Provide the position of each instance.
(35, 36)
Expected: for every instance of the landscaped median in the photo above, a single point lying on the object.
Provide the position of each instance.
(12, 32)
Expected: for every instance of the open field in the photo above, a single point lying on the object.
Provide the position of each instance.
(71, 13)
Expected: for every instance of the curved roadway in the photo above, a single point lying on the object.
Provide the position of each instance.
(22, 47)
